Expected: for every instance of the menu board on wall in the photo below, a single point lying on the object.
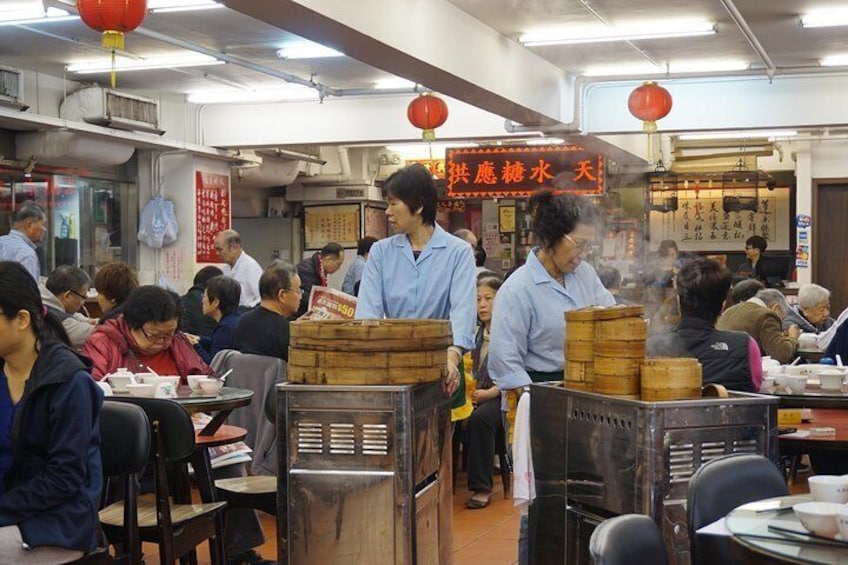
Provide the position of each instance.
(700, 223)
(375, 222)
(212, 207)
(335, 223)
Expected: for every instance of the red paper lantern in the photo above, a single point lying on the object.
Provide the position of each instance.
(649, 102)
(112, 17)
(427, 112)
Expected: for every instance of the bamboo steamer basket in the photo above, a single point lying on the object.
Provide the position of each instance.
(671, 378)
(583, 351)
(613, 367)
(617, 385)
(593, 313)
(620, 349)
(579, 375)
(368, 352)
(580, 331)
(622, 329)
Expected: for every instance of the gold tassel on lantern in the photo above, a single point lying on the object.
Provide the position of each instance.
(113, 40)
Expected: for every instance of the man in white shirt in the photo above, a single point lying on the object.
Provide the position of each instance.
(239, 266)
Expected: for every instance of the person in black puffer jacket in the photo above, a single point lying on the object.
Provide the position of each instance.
(728, 358)
(49, 433)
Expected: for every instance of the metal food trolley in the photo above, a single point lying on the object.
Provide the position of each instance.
(365, 474)
(598, 456)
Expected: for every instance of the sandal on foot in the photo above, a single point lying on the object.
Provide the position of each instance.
(477, 503)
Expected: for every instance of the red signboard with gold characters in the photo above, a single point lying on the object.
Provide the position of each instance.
(508, 172)
(212, 201)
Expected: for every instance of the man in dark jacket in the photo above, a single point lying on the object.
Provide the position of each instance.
(192, 319)
(314, 270)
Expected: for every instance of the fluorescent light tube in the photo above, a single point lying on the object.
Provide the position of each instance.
(411, 151)
(32, 13)
(624, 69)
(307, 51)
(825, 19)
(738, 135)
(674, 67)
(707, 66)
(631, 32)
(289, 94)
(392, 83)
(840, 60)
(105, 65)
(163, 6)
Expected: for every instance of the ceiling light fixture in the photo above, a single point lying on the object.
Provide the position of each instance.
(825, 19)
(412, 151)
(393, 83)
(753, 134)
(672, 68)
(150, 63)
(630, 32)
(307, 51)
(293, 93)
(164, 6)
(27, 13)
(839, 60)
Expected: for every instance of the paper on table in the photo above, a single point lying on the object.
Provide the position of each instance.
(717, 528)
(799, 435)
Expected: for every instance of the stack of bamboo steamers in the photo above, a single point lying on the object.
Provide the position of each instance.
(605, 354)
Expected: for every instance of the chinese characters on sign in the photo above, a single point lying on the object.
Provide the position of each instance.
(212, 206)
(435, 166)
(494, 172)
(328, 224)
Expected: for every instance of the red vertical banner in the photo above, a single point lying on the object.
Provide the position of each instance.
(212, 208)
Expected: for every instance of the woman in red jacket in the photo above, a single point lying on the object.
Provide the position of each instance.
(145, 335)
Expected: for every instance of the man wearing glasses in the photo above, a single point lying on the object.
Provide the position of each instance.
(64, 294)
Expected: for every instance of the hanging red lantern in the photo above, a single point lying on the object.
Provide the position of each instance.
(649, 102)
(427, 112)
(113, 18)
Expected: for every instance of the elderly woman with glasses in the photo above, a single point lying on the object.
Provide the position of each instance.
(145, 335)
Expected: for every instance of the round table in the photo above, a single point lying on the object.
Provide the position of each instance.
(755, 543)
(227, 400)
(813, 397)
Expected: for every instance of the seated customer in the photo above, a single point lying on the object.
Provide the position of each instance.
(114, 282)
(753, 266)
(50, 470)
(64, 294)
(728, 358)
(745, 289)
(761, 318)
(220, 302)
(812, 314)
(265, 329)
(192, 318)
(145, 335)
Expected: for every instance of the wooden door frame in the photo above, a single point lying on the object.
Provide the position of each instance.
(814, 208)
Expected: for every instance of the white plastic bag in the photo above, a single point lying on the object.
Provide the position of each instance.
(158, 225)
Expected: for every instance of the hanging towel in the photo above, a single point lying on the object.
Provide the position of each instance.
(523, 478)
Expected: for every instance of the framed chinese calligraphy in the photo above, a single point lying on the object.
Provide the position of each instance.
(325, 224)
(375, 221)
(507, 172)
(212, 206)
(700, 224)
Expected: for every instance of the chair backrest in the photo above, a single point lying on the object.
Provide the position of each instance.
(631, 539)
(124, 438)
(721, 485)
(178, 430)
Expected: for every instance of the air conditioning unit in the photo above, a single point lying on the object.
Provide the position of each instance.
(333, 193)
(12, 88)
(110, 108)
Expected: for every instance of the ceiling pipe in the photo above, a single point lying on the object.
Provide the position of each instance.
(746, 30)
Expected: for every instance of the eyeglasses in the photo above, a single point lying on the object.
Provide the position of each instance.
(84, 297)
(294, 290)
(582, 245)
(157, 338)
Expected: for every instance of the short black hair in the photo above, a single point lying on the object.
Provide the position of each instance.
(610, 276)
(227, 291)
(29, 210)
(363, 246)
(743, 290)
(557, 215)
(65, 278)
(413, 185)
(666, 245)
(203, 275)
(333, 249)
(276, 277)
(702, 286)
(150, 303)
(757, 241)
(479, 256)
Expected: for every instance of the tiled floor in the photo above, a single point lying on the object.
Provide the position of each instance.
(488, 535)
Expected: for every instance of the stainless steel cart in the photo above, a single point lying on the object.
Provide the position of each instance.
(597, 456)
(365, 473)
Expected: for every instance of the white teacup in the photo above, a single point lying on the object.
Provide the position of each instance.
(768, 384)
(211, 386)
(818, 517)
(808, 341)
(194, 382)
(831, 380)
(796, 383)
(165, 390)
(829, 488)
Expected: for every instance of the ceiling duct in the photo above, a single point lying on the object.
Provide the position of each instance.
(110, 108)
(70, 149)
(267, 173)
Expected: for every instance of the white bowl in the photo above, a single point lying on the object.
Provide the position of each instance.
(151, 379)
(796, 383)
(194, 381)
(142, 390)
(831, 380)
(819, 517)
(768, 384)
(211, 386)
(842, 522)
(797, 370)
(119, 382)
(829, 488)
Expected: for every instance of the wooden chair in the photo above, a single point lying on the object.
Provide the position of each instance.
(125, 448)
(177, 526)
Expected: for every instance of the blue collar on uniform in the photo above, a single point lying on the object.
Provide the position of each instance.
(439, 240)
